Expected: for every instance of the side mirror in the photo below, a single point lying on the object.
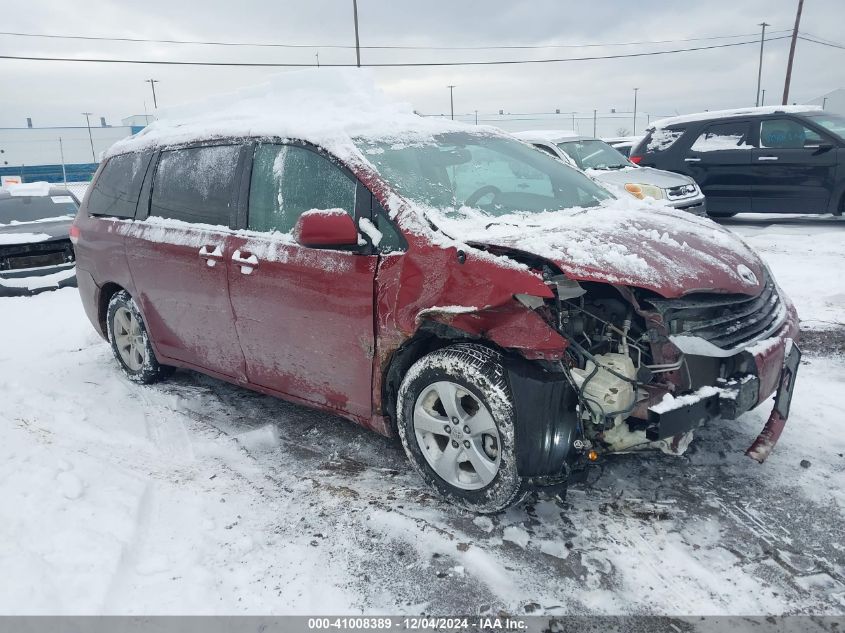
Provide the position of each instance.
(325, 229)
(824, 147)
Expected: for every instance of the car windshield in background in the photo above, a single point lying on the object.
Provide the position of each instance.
(594, 154)
(35, 208)
(831, 122)
(495, 174)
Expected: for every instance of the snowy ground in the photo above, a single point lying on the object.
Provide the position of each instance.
(198, 497)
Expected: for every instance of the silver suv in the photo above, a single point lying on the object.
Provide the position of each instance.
(610, 167)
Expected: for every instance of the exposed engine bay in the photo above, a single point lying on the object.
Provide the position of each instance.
(634, 387)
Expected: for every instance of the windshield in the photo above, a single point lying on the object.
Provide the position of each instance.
(34, 208)
(594, 154)
(494, 174)
(831, 122)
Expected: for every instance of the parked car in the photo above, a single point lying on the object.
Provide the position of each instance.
(504, 315)
(35, 249)
(772, 159)
(607, 165)
(623, 144)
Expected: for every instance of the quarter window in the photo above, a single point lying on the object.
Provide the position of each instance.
(723, 136)
(787, 134)
(288, 180)
(115, 194)
(196, 184)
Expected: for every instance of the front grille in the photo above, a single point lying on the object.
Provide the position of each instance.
(727, 321)
(36, 255)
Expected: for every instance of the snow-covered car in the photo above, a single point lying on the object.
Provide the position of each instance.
(35, 249)
(768, 159)
(623, 144)
(506, 316)
(608, 165)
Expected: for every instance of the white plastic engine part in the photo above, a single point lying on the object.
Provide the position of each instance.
(606, 393)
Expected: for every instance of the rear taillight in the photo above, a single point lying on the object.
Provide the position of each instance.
(635, 159)
(74, 234)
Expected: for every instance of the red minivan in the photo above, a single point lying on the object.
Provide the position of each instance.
(504, 315)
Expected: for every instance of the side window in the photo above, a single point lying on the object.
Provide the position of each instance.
(288, 180)
(722, 136)
(392, 240)
(787, 134)
(195, 184)
(118, 186)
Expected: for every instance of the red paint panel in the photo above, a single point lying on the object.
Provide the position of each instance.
(304, 318)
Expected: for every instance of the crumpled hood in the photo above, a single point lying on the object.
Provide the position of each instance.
(57, 229)
(669, 252)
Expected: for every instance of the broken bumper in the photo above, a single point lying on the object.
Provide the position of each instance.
(734, 397)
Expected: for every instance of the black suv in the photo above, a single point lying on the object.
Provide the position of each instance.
(784, 159)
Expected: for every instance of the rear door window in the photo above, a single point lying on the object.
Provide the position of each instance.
(723, 136)
(115, 194)
(288, 180)
(787, 134)
(196, 184)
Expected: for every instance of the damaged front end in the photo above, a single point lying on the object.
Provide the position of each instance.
(645, 371)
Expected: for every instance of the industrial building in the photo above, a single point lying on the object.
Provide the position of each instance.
(60, 154)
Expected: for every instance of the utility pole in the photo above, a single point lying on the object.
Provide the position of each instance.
(62, 154)
(792, 53)
(90, 138)
(573, 120)
(476, 117)
(763, 97)
(760, 65)
(318, 58)
(153, 83)
(594, 123)
(824, 103)
(451, 88)
(634, 131)
(357, 44)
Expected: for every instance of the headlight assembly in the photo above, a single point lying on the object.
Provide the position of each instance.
(642, 191)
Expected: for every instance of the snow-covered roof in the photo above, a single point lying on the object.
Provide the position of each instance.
(724, 114)
(40, 188)
(326, 106)
(548, 136)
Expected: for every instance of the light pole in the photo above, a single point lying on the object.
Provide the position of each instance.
(452, 100)
(90, 138)
(153, 83)
(476, 117)
(760, 65)
(594, 122)
(763, 97)
(357, 44)
(634, 132)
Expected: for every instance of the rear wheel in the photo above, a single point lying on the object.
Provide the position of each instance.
(455, 419)
(720, 214)
(130, 342)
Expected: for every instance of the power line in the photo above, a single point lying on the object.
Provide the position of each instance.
(822, 40)
(385, 64)
(814, 41)
(372, 47)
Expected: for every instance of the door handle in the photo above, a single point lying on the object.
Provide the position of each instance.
(211, 254)
(247, 264)
(767, 158)
(692, 160)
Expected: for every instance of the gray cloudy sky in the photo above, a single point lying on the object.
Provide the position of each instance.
(54, 93)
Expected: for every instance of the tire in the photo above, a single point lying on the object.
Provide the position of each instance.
(130, 342)
(475, 470)
(715, 215)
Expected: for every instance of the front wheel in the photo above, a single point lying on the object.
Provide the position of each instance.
(455, 417)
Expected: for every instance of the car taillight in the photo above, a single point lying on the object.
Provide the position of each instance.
(74, 234)
(635, 159)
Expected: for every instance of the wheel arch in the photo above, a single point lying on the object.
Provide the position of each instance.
(107, 291)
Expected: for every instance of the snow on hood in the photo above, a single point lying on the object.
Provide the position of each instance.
(622, 242)
(326, 106)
